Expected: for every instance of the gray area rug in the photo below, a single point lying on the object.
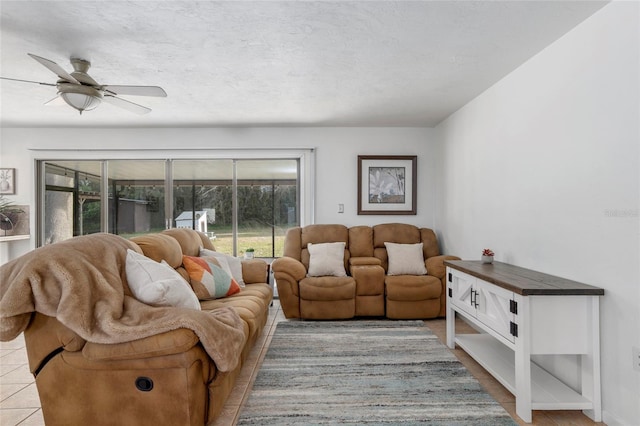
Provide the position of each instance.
(366, 373)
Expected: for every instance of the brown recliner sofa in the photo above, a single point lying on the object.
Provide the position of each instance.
(179, 376)
(367, 290)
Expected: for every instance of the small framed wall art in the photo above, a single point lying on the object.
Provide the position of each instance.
(387, 184)
(7, 181)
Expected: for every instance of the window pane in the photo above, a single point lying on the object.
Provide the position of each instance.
(58, 223)
(202, 199)
(90, 204)
(286, 213)
(266, 190)
(72, 199)
(136, 196)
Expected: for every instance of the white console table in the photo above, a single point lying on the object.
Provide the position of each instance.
(522, 313)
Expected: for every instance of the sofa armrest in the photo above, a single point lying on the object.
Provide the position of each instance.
(168, 343)
(356, 262)
(288, 272)
(435, 265)
(362, 261)
(436, 268)
(46, 335)
(255, 271)
(290, 266)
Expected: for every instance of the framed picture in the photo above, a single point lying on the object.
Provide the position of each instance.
(7, 181)
(387, 184)
(14, 222)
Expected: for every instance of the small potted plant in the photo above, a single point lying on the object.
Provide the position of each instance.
(487, 256)
(248, 253)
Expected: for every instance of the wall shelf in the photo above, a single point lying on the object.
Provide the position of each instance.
(14, 238)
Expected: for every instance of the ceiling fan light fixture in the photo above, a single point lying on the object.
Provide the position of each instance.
(80, 101)
(82, 98)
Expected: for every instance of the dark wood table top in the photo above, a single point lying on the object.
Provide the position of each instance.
(523, 281)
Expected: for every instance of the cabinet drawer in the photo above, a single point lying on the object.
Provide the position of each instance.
(462, 285)
(483, 301)
(493, 308)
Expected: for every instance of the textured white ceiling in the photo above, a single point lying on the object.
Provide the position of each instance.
(274, 63)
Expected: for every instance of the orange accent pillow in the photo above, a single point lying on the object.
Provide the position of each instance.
(208, 280)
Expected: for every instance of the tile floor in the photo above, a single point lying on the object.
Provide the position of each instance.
(19, 404)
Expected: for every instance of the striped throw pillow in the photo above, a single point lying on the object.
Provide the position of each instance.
(208, 279)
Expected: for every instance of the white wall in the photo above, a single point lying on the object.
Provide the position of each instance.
(544, 169)
(336, 151)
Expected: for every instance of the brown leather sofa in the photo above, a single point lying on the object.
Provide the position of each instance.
(367, 290)
(168, 378)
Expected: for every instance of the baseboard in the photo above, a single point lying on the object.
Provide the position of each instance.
(611, 420)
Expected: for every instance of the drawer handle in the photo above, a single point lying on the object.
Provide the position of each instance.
(474, 298)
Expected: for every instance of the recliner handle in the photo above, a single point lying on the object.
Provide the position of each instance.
(46, 359)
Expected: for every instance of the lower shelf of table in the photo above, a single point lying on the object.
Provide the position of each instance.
(548, 393)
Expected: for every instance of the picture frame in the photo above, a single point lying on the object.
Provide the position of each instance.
(387, 184)
(14, 222)
(7, 181)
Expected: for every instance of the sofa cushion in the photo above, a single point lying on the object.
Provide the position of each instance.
(405, 259)
(402, 233)
(412, 287)
(326, 259)
(250, 308)
(189, 240)
(328, 288)
(205, 241)
(234, 264)
(361, 241)
(261, 290)
(160, 247)
(208, 279)
(324, 233)
(158, 284)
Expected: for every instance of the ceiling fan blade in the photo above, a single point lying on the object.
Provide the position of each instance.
(55, 68)
(138, 109)
(27, 81)
(136, 90)
(57, 101)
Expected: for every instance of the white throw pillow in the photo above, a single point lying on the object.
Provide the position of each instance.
(158, 284)
(326, 259)
(233, 264)
(405, 259)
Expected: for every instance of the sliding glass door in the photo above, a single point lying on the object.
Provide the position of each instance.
(239, 203)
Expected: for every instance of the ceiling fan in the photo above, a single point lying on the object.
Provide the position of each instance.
(83, 93)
